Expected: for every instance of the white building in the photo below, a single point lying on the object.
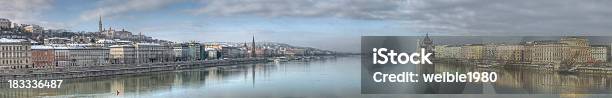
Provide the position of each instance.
(122, 54)
(599, 53)
(181, 52)
(448, 51)
(75, 56)
(14, 53)
(32, 28)
(151, 53)
(510, 52)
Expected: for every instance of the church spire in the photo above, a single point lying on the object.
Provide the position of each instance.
(100, 24)
(427, 40)
(253, 47)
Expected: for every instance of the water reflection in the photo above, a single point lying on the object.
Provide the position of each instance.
(533, 81)
(245, 79)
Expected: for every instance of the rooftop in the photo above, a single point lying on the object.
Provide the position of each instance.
(5, 40)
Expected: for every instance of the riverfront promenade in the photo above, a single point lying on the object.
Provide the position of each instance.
(117, 69)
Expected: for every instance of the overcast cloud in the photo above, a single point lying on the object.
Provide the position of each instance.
(28, 11)
(449, 17)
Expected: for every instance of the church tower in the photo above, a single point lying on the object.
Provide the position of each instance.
(253, 47)
(100, 24)
(427, 43)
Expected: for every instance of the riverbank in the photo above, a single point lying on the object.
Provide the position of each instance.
(582, 69)
(109, 70)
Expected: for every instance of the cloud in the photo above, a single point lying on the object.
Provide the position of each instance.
(358, 9)
(451, 17)
(24, 11)
(504, 17)
(115, 8)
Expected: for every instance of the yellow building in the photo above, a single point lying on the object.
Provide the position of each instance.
(579, 49)
(513, 53)
(472, 51)
(122, 54)
(549, 53)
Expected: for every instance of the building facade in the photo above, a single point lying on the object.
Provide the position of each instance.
(599, 53)
(152, 53)
(122, 54)
(181, 52)
(15, 54)
(194, 51)
(79, 56)
(473, 51)
(5, 24)
(512, 53)
(43, 56)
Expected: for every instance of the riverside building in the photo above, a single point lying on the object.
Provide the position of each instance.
(122, 54)
(15, 54)
(79, 56)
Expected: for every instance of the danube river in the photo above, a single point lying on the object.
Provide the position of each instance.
(332, 77)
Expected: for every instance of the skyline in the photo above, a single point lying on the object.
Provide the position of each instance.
(331, 25)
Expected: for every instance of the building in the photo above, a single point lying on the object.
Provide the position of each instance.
(122, 54)
(188, 51)
(212, 53)
(56, 40)
(512, 53)
(253, 46)
(43, 56)
(32, 28)
(79, 56)
(100, 27)
(15, 54)
(232, 52)
(490, 52)
(472, 51)
(140, 53)
(549, 54)
(579, 49)
(194, 51)
(599, 53)
(152, 53)
(213, 46)
(448, 51)
(181, 52)
(566, 53)
(203, 53)
(82, 40)
(295, 52)
(5, 24)
(260, 52)
(428, 45)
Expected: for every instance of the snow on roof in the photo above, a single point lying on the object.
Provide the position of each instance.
(105, 41)
(150, 44)
(5, 40)
(59, 46)
(121, 46)
(123, 41)
(41, 47)
(209, 49)
(58, 38)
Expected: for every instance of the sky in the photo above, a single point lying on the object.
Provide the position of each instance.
(326, 24)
